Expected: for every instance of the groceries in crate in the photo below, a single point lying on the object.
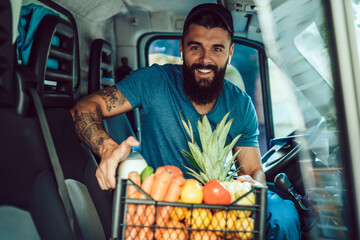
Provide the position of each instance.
(215, 192)
(133, 162)
(192, 192)
(167, 184)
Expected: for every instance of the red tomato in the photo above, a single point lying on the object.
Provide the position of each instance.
(216, 193)
(174, 170)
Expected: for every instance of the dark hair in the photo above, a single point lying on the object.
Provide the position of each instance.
(210, 16)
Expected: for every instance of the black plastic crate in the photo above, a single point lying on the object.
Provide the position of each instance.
(202, 221)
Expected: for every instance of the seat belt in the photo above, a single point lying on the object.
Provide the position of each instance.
(59, 176)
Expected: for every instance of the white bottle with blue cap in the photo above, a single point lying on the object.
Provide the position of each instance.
(134, 162)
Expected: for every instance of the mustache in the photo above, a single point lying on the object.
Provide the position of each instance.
(202, 66)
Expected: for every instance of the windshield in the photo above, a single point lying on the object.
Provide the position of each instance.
(303, 105)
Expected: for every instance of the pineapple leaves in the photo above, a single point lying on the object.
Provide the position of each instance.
(188, 129)
(189, 157)
(210, 162)
(196, 153)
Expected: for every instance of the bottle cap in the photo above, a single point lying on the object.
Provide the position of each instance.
(136, 148)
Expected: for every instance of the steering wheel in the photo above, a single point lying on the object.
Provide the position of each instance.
(283, 155)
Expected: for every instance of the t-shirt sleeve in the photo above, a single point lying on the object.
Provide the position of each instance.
(246, 123)
(141, 86)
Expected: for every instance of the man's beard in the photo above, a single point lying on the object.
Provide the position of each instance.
(206, 90)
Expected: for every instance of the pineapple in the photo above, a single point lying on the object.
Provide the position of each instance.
(210, 161)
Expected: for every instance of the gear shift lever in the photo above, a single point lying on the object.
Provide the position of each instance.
(283, 183)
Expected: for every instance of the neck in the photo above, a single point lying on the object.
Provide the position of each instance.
(204, 108)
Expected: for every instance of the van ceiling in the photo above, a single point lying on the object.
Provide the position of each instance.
(95, 10)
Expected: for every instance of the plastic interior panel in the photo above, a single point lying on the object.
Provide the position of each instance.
(60, 92)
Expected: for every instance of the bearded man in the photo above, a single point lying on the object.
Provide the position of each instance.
(165, 93)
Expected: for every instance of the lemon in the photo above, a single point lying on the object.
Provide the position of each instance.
(192, 192)
(244, 226)
(200, 218)
(241, 213)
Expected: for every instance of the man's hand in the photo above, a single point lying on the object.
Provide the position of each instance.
(249, 179)
(111, 156)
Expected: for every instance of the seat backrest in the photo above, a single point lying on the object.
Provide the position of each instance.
(29, 199)
(78, 164)
(101, 74)
(27, 182)
(29, 192)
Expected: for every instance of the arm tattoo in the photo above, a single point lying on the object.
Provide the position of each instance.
(112, 97)
(88, 126)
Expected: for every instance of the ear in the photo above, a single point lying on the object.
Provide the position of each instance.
(231, 52)
(181, 48)
(180, 45)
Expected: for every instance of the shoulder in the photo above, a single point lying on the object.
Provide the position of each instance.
(160, 71)
(168, 68)
(232, 91)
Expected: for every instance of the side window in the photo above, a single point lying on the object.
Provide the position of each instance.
(244, 71)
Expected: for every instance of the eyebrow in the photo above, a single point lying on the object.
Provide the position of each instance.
(193, 42)
(198, 43)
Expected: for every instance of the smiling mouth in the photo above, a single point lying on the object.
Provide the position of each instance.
(204, 71)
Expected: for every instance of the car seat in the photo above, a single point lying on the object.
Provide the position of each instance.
(30, 204)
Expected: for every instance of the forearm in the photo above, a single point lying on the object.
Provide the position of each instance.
(88, 114)
(249, 159)
(87, 120)
(259, 176)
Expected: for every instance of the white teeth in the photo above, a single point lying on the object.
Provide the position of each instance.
(204, 70)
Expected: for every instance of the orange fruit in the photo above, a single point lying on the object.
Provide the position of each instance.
(178, 213)
(192, 192)
(203, 235)
(223, 220)
(244, 226)
(200, 218)
(175, 171)
(179, 233)
(241, 213)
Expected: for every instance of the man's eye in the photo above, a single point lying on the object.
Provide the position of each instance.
(194, 48)
(217, 49)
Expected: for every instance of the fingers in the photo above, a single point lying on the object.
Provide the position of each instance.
(132, 141)
(106, 171)
(249, 179)
(246, 178)
(105, 175)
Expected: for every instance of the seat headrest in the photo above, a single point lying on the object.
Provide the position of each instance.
(101, 72)
(52, 58)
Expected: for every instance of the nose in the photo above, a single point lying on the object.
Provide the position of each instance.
(206, 57)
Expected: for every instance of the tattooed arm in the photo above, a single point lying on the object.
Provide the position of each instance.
(87, 115)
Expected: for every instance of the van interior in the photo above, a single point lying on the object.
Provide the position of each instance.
(290, 57)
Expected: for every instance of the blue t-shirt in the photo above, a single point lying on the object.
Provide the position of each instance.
(158, 92)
